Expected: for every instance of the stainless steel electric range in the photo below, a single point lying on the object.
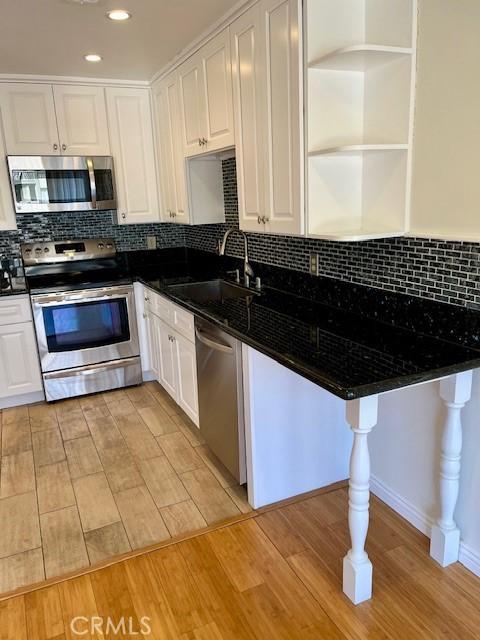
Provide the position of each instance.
(84, 314)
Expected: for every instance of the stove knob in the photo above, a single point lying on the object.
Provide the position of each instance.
(38, 249)
(101, 245)
(46, 250)
(29, 251)
(109, 246)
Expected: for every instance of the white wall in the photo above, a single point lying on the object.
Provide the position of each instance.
(446, 188)
(405, 455)
(297, 437)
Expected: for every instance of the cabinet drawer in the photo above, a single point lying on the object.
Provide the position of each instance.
(184, 323)
(14, 309)
(157, 304)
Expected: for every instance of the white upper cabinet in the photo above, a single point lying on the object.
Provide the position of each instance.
(170, 150)
(205, 87)
(281, 24)
(39, 119)
(250, 116)
(217, 82)
(131, 133)
(7, 212)
(82, 120)
(192, 105)
(266, 67)
(28, 115)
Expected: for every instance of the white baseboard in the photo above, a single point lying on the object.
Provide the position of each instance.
(26, 398)
(469, 557)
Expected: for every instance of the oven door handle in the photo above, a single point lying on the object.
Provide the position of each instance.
(84, 296)
(57, 301)
(93, 184)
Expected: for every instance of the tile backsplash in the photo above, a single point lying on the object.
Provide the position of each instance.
(87, 224)
(436, 269)
(444, 271)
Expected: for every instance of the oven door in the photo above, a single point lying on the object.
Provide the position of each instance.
(61, 183)
(77, 328)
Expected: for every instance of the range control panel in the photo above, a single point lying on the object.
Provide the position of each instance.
(67, 250)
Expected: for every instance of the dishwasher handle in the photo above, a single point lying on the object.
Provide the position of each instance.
(213, 344)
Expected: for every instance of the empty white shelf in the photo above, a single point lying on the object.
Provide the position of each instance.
(359, 57)
(358, 148)
(355, 233)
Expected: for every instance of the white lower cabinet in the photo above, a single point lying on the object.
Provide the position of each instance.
(187, 386)
(171, 350)
(19, 364)
(168, 377)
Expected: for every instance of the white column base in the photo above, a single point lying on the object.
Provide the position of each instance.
(444, 545)
(357, 579)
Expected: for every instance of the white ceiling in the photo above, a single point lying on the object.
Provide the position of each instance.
(50, 37)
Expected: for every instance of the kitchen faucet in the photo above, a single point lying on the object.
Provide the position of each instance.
(247, 269)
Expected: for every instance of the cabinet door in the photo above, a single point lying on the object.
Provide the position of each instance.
(192, 105)
(281, 42)
(7, 213)
(168, 377)
(82, 120)
(217, 81)
(187, 387)
(250, 118)
(19, 366)
(131, 136)
(180, 212)
(29, 122)
(153, 345)
(164, 151)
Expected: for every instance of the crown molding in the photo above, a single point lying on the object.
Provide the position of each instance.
(213, 30)
(73, 80)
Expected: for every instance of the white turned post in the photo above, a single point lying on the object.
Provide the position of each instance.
(357, 568)
(455, 392)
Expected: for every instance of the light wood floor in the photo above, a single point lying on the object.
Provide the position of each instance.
(86, 479)
(274, 576)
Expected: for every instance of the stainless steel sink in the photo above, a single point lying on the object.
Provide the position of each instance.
(211, 291)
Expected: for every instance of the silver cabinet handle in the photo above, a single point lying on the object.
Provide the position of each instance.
(205, 141)
(124, 215)
(55, 146)
(91, 177)
(259, 220)
(64, 147)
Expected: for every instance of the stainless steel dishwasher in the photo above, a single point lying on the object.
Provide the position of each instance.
(220, 396)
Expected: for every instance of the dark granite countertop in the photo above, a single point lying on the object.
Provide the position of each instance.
(353, 341)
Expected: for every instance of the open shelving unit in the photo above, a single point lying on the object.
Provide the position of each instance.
(360, 68)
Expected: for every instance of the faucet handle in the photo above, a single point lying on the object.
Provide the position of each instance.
(236, 273)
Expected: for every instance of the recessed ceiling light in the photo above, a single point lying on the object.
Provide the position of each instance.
(92, 57)
(119, 15)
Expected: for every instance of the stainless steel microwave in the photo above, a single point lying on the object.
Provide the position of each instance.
(42, 184)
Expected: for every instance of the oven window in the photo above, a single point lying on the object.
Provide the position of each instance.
(86, 325)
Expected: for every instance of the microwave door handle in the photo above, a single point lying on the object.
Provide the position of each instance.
(93, 184)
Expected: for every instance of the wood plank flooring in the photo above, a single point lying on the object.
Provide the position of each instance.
(86, 479)
(276, 575)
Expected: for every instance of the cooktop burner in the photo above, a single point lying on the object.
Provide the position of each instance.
(72, 264)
